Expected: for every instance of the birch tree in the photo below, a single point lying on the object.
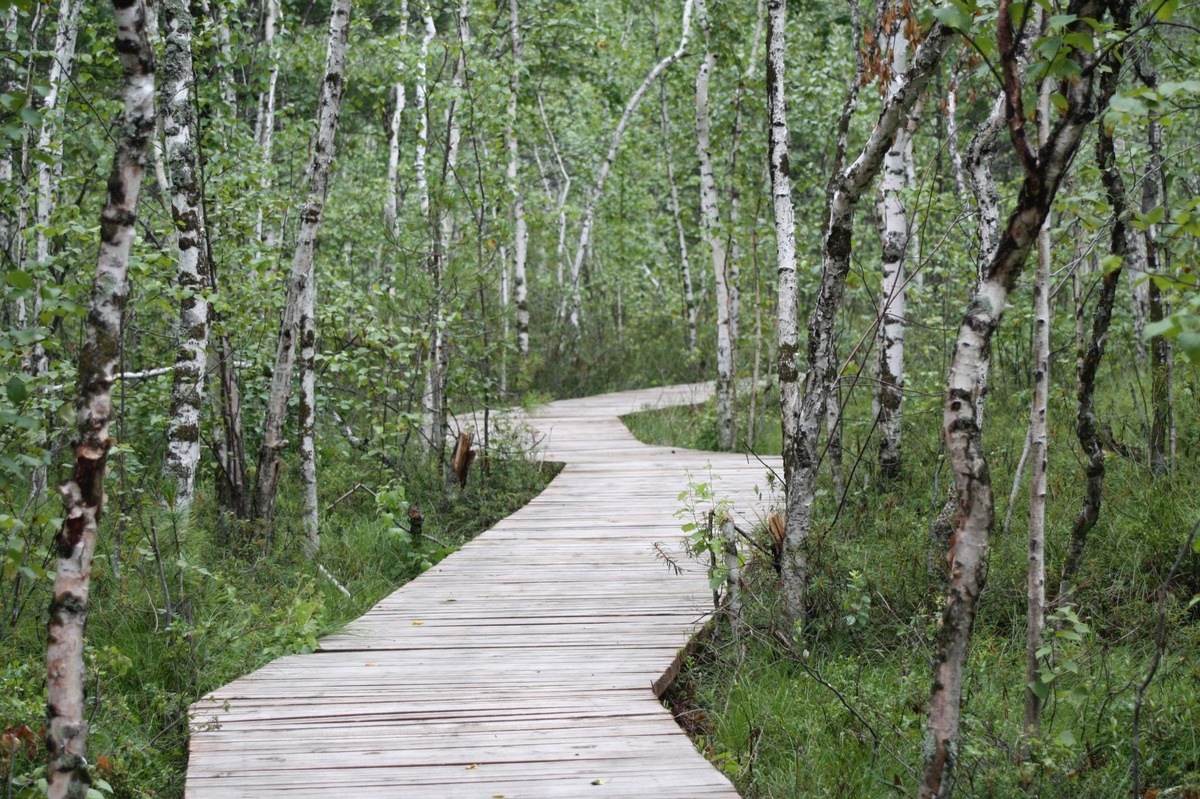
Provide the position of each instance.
(49, 146)
(785, 239)
(685, 267)
(298, 319)
(391, 215)
(846, 187)
(1044, 169)
(710, 223)
(265, 133)
(593, 198)
(192, 271)
(83, 494)
(511, 176)
(892, 220)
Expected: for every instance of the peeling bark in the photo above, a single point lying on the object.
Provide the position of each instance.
(83, 494)
(520, 227)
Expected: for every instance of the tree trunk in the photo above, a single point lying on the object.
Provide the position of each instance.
(265, 135)
(560, 247)
(847, 187)
(520, 229)
(710, 224)
(391, 211)
(685, 267)
(1044, 171)
(192, 271)
(892, 221)
(1039, 450)
(49, 146)
(302, 280)
(589, 209)
(1089, 356)
(83, 494)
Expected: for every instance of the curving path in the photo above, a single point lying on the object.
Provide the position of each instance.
(527, 664)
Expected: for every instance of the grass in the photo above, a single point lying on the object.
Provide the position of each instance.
(233, 603)
(840, 711)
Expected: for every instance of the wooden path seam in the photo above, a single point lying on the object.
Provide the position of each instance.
(523, 666)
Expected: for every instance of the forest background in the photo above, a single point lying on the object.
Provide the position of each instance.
(404, 212)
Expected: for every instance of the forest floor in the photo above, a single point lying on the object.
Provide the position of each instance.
(839, 710)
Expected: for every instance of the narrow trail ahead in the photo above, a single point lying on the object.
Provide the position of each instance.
(524, 665)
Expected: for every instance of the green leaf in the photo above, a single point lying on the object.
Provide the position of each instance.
(17, 393)
(1039, 689)
(18, 279)
(1059, 102)
(1189, 342)
(954, 17)
(1166, 10)
(1163, 328)
(1067, 738)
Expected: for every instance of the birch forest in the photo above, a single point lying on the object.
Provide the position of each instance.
(261, 258)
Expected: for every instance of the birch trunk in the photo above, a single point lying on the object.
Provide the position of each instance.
(83, 494)
(441, 224)
(1044, 171)
(710, 224)
(49, 166)
(391, 211)
(593, 199)
(1154, 196)
(892, 221)
(956, 160)
(788, 313)
(265, 135)
(520, 228)
(301, 286)
(846, 187)
(421, 94)
(685, 267)
(192, 271)
(1038, 450)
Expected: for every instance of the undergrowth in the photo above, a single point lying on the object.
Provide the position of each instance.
(178, 609)
(838, 708)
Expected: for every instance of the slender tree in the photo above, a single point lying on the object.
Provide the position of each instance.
(391, 215)
(192, 271)
(83, 494)
(511, 175)
(846, 187)
(710, 225)
(1044, 169)
(298, 319)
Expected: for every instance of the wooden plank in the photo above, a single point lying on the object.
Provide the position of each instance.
(524, 665)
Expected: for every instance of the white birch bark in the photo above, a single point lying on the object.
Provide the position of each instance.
(1038, 448)
(49, 145)
(1044, 171)
(788, 313)
(893, 224)
(710, 224)
(845, 190)
(192, 271)
(685, 267)
(593, 199)
(83, 494)
(265, 135)
(295, 323)
(956, 159)
(421, 95)
(520, 228)
(391, 211)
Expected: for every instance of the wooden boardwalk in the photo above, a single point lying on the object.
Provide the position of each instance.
(524, 665)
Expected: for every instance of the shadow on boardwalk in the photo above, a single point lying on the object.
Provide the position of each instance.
(522, 665)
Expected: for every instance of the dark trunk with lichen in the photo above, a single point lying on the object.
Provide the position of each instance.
(83, 495)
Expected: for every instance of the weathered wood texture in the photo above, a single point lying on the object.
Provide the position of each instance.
(523, 665)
